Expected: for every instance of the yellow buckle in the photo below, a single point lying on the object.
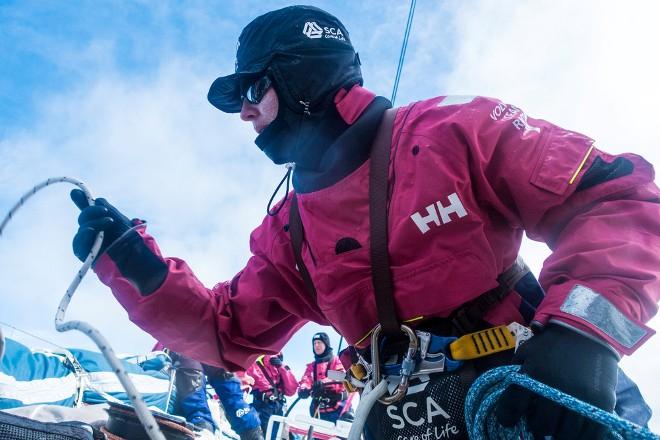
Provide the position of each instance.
(482, 343)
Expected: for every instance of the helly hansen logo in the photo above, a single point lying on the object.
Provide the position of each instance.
(438, 213)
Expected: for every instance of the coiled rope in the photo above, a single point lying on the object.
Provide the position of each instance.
(143, 413)
(483, 395)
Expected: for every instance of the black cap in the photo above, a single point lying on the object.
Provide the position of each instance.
(294, 30)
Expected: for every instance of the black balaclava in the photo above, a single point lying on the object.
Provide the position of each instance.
(307, 122)
(327, 353)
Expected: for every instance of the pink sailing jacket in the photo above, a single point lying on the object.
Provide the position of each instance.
(282, 377)
(318, 371)
(468, 175)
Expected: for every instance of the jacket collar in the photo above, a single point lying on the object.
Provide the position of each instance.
(363, 110)
(352, 103)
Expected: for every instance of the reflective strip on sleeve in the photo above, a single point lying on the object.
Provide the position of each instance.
(597, 310)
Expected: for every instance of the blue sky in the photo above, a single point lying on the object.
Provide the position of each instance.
(55, 47)
(114, 94)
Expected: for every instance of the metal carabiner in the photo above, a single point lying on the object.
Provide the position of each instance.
(407, 365)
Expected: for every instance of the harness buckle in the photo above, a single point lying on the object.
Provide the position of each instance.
(407, 365)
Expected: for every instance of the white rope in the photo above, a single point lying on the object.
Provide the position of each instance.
(143, 413)
(367, 400)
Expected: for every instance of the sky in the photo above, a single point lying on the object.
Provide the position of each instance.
(113, 93)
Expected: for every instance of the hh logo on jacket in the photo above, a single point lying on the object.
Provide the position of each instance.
(438, 214)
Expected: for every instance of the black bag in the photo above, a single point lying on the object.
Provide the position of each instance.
(432, 409)
(14, 427)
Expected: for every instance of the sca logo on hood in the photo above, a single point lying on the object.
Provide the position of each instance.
(313, 30)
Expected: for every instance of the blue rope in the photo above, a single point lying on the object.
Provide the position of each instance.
(483, 396)
(404, 46)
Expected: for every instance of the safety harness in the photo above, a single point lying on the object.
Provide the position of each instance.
(275, 394)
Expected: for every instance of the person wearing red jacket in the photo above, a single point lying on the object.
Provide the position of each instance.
(466, 177)
(273, 381)
(329, 398)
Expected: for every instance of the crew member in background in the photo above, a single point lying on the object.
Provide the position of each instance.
(192, 403)
(242, 417)
(329, 398)
(273, 381)
(191, 400)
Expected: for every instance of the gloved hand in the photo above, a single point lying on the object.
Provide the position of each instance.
(275, 361)
(573, 363)
(102, 216)
(317, 389)
(303, 393)
(332, 396)
(134, 259)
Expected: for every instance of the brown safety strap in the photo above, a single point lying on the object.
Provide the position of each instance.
(297, 237)
(381, 275)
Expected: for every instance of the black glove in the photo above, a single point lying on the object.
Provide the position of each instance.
(217, 374)
(303, 393)
(317, 389)
(572, 363)
(275, 361)
(102, 216)
(332, 396)
(133, 258)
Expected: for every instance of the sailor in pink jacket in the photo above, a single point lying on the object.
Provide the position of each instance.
(329, 398)
(468, 176)
(273, 381)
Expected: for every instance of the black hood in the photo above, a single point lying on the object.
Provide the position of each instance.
(307, 118)
(299, 138)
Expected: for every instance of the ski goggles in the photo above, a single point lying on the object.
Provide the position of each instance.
(254, 92)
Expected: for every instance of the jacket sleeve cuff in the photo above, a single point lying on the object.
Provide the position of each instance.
(137, 259)
(589, 312)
